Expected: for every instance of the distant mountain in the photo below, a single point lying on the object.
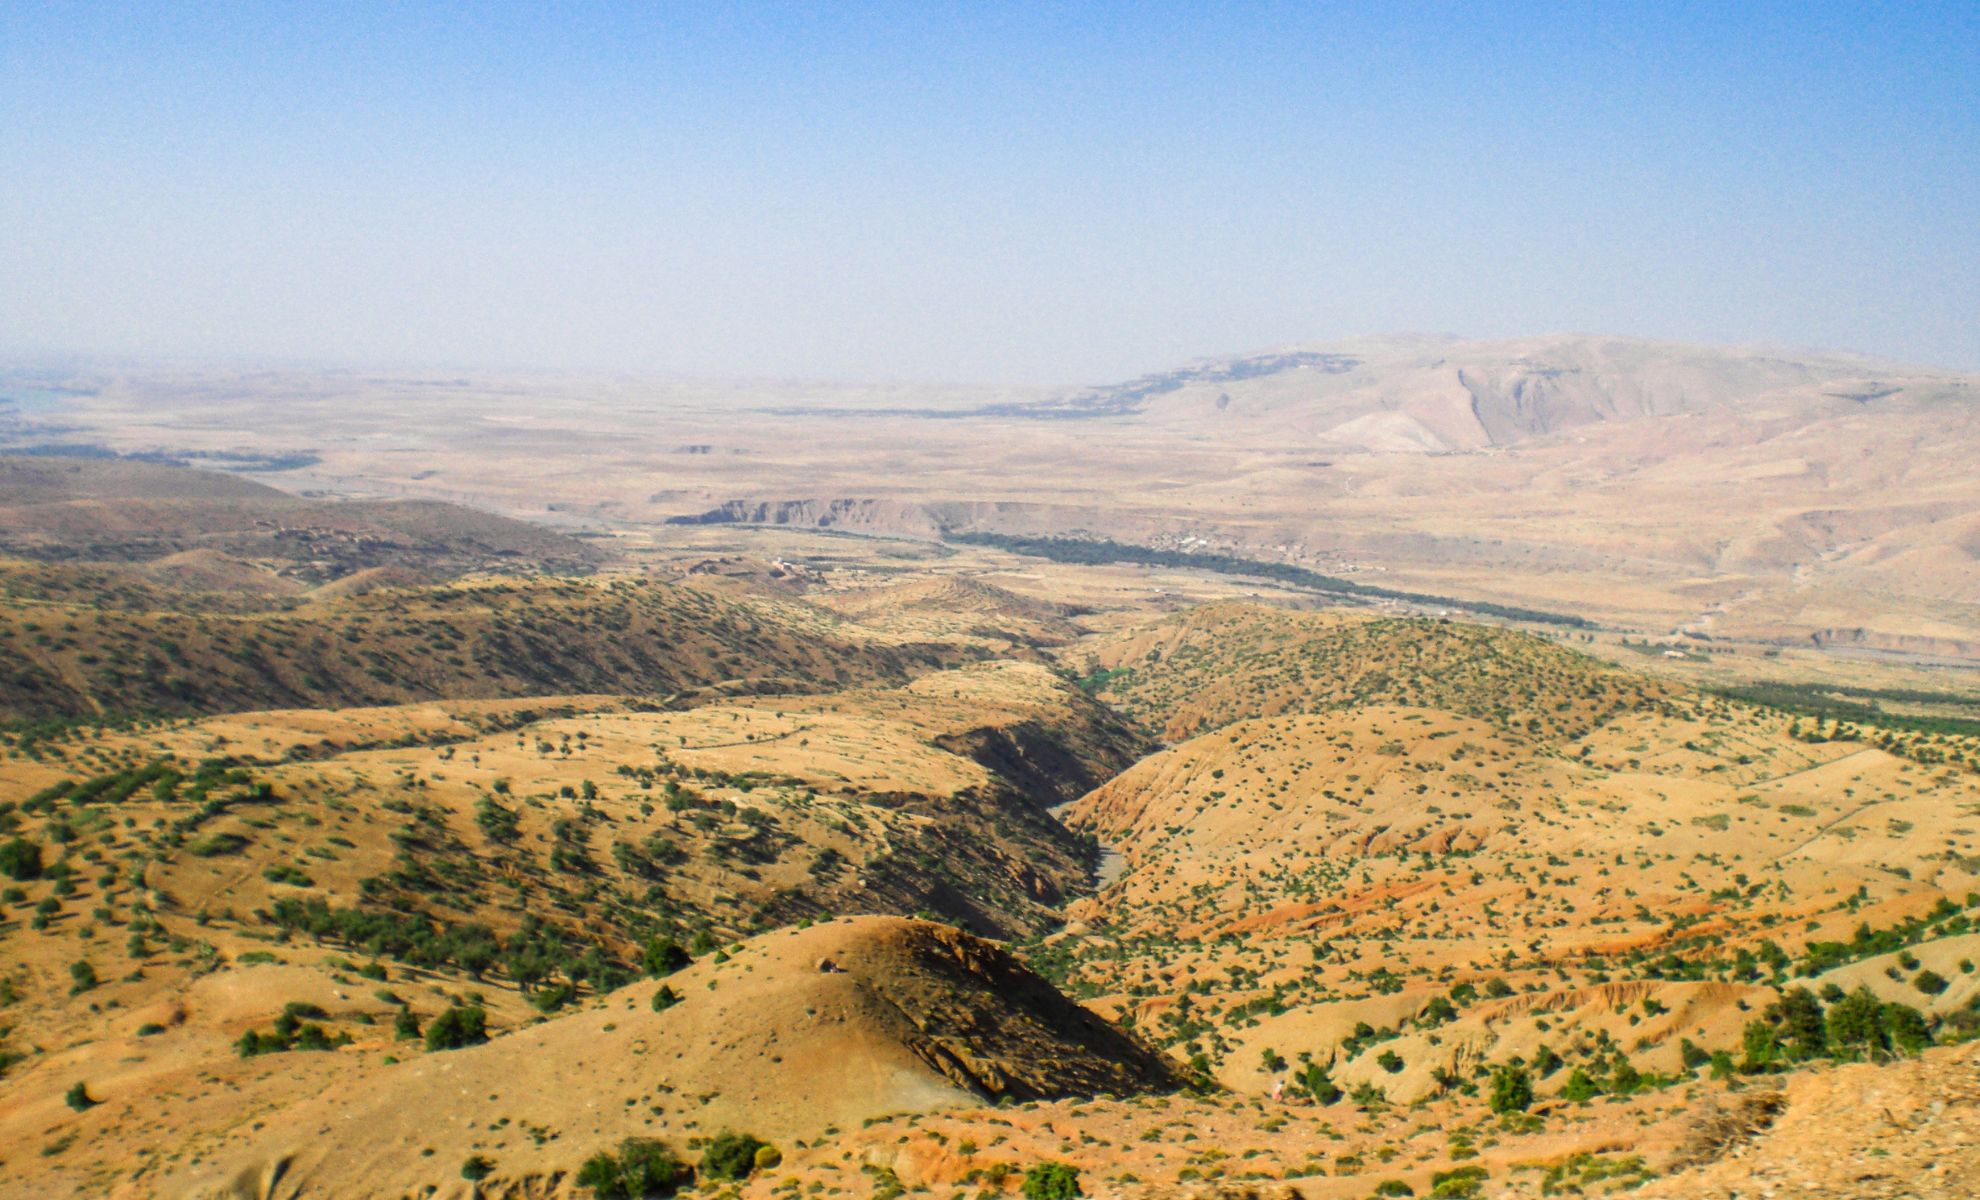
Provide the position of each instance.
(1432, 394)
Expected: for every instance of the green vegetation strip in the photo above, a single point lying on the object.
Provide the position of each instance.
(1820, 700)
(1100, 550)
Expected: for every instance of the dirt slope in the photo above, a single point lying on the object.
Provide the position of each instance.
(1899, 1131)
(797, 1031)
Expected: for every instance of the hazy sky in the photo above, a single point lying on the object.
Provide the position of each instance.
(978, 192)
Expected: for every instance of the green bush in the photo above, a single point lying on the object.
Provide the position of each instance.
(1856, 1025)
(664, 956)
(555, 996)
(1314, 1080)
(642, 1169)
(476, 1168)
(1459, 1183)
(664, 998)
(1052, 1181)
(730, 1155)
(78, 1098)
(460, 1026)
(1512, 1090)
(1579, 1087)
(21, 860)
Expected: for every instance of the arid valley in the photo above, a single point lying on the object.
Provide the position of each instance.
(1024, 601)
(1413, 767)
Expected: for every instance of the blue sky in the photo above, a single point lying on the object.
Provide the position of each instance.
(986, 193)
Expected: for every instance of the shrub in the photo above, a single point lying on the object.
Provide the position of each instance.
(730, 1155)
(1930, 982)
(461, 1026)
(1856, 1024)
(1314, 1080)
(641, 1169)
(1905, 1028)
(768, 1158)
(1394, 1187)
(1579, 1087)
(21, 860)
(550, 999)
(665, 998)
(1368, 1097)
(213, 845)
(1051, 1181)
(476, 1168)
(84, 976)
(1761, 1045)
(664, 956)
(405, 1026)
(1512, 1090)
(1692, 1054)
(78, 1097)
(1459, 1183)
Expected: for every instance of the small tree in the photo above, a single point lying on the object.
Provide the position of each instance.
(1856, 1024)
(461, 1026)
(1799, 1015)
(1906, 1029)
(1579, 1087)
(78, 1097)
(1314, 1080)
(1052, 1181)
(664, 956)
(21, 860)
(642, 1169)
(730, 1155)
(1512, 1090)
(1760, 1046)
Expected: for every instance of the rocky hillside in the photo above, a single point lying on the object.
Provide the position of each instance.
(1228, 662)
(485, 638)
